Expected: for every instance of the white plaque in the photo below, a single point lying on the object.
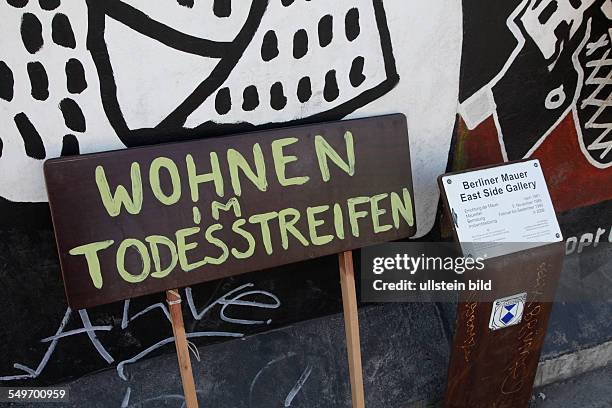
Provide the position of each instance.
(501, 210)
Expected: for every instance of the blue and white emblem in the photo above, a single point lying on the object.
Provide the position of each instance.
(507, 311)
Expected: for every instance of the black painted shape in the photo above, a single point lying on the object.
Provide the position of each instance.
(61, 31)
(34, 146)
(73, 115)
(548, 11)
(300, 44)
(70, 146)
(356, 75)
(49, 4)
(250, 98)
(326, 30)
(172, 128)
(31, 33)
(481, 22)
(351, 24)
(331, 91)
(17, 3)
(75, 76)
(576, 3)
(278, 100)
(269, 46)
(287, 3)
(7, 81)
(1, 146)
(304, 91)
(39, 81)
(223, 101)
(222, 8)
(186, 3)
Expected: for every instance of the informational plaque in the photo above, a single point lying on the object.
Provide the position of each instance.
(502, 209)
(148, 219)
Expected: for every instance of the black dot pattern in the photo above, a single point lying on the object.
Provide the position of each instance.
(70, 146)
(73, 116)
(250, 98)
(32, 141)
(17, 3)
(304, 91)
(326, 30)
(223, 101)
(222, 8)
(31, 33)
(7, 82)
(351, 24)
(356, 75)
(331, 91)
(39, 81)
(278, 100)
(269, 46)
(61, 31)
(300, 44)
(75, 76)
(49, 4)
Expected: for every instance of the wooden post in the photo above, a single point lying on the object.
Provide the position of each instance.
(351, 327)
(497, 368)
(182, 350)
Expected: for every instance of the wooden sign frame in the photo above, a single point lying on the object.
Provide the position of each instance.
(359, 179)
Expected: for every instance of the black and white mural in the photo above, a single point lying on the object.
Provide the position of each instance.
(85, 76)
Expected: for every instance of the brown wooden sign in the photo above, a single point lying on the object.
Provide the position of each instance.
(144, 220)
(492, 364)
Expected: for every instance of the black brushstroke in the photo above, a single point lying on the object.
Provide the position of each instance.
(548, 11)
(331, 91)
(287, 3)
(223, 101)
(269, 46)
(250, 98)
(1, 146)
(172, 128)
(304, 91)
(300, 44)
(70, 146)
(576, 3)
(75, 76)
(61, 31)
(17, 3)
(351, 24)
(186, 3)
(490, 18)
(73, 115)
(222, 8)
(326, 30)
(7, 82)
(278, 100)
(356, 74)
(33, 143)
(49, 4)
(31, 33)
(39, 81)
(141, 22)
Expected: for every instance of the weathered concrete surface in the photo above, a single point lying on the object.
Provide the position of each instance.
(404, 347)
(590, 390)
(405, 352)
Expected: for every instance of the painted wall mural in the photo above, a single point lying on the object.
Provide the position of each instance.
(479, 81)
(546, 92)
(84, 76)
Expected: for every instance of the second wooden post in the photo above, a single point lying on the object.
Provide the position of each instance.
(351, 327)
